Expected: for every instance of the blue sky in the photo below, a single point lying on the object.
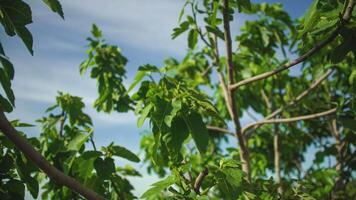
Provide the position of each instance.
(141, 29)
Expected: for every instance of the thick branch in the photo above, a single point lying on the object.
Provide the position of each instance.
(200, 179)
(59, 177)
(289, 120)
(346, 18)
(298, 98)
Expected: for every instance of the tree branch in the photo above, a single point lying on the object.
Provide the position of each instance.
(345, 19)
(289, 120)
(59, 177)
(222, 130)
(200, 179)
(198, 28)
(297, 99)
(221, 76)
(244, 153)
(348, 12)
(277, 155)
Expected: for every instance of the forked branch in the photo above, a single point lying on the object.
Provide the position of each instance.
(296, 100)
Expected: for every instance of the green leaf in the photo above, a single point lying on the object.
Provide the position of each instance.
(55, 6)
(158, 187)
(77, 142)
(144, 114)
(6, 163)
(5, 105)
(182, 11)
(96, 32)
(265, 36)
(192, 38)
(9, 68)
(177, 105)
(216, 31)
(184, 26)
(320, 16)
(26, 37)
(198, 131)
(139, 76)
(6, 85)
(51, 108)
(84, 165)
(244, 5)
(16, 189)
(32, 186)
(349, 122)
(104, 168)
(15, 15)
(124, 153)
(340, 52)
(17, 123)
(179, 132)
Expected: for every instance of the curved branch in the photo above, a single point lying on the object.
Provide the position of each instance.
(345, 19)
(200, 179)
(59, 177)
(289, 120)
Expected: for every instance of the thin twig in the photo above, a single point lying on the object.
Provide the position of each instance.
(222, 130)
(93, 143)
(289, 120)
(198, 28)
(266, 99)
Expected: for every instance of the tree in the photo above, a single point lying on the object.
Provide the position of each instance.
(188, 123)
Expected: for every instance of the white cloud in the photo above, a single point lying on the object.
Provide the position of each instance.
(143, 25)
